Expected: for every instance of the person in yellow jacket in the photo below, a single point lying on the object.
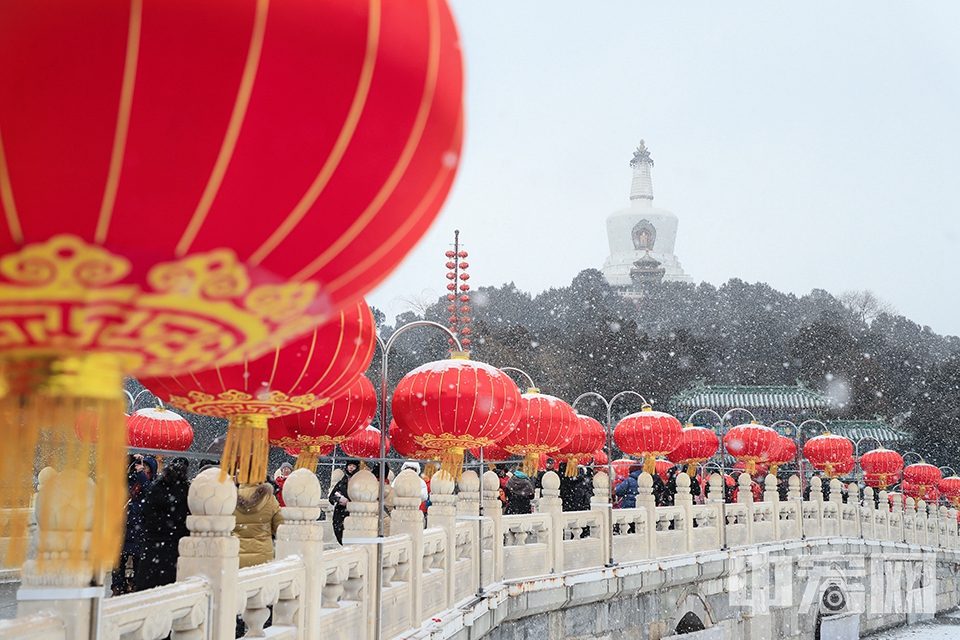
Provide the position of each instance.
(258, 516)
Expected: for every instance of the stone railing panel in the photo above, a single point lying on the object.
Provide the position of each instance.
(582, 545)
(670, 531)
(345, 597)
(526, 545)
(276, 584)
(706, 533)
(396, 593)
(464, 568)
(789, 526)
(763, 522)
(631, 534)
(433, 580)
(36, 627)
(737, 521)
(181, 607)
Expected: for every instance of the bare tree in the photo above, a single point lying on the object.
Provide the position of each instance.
(865, 305)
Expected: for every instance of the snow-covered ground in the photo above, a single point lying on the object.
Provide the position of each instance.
(946, 627)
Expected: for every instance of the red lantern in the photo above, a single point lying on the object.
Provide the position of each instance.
(827, 452)
(922, 475)
(662, 468)
(883, 464)
(492, 453)
(622, 467)
(588, 435)
(330, 424)
(600, 458)
(751, 443)
(785, 451)
(926, 493)
(404, 444)
(454, 405)
(545, 424)
(845, 467)
(950, 489)
(880, 481)
(760, 469)
(697, 444)
(298, 377)
(364, 444)
(648, 434)
(159, 429)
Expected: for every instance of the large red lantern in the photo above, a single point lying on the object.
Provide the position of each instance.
(845, 467)
(950, 489)
(880, 481)
(364, 444)
(454, 405)
(927, 493)
(159, 429)
(648, 434)
(300, 376)
(884, 465)
(922, 475)
(544, 425)
(783, 452)
(403, 443)
(587, 436)
(697, 444)
(227, 176)
(828, 451)
(313, 432)
(751, 443)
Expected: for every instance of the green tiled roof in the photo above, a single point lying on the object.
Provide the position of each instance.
(750, 397)
(856, 429)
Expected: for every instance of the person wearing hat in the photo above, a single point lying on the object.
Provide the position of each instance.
(415, 467)
(339, 498)
(279, 478)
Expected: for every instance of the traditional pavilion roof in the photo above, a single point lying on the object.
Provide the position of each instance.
(856, 429)
(778, 397)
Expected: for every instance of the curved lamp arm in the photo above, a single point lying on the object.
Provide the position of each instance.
(710, 411)
(525, 375)
(746, 411)
(914, 453)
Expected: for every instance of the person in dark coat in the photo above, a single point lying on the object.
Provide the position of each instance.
(339, 498)
(164, 523)
(574, 493)
(627, 490)
(538, 481)
(519, 492)
(141, 471)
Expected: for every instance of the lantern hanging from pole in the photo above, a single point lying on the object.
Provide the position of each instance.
(883, 464)
(784, 452)
(828, 451)
(545, 424)
(214, 198)
(587, 436)
(300, 376)
(950, 489)
(454, 405)
(752, 443)
(922, 475)
(663, 468)
(697, 444)
(845, 467)
(648, 434)
(328, 425)
(159, 428)
(364, 444)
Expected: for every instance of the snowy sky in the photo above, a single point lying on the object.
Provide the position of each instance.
(806, 145)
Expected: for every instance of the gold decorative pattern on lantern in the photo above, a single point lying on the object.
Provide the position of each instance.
(233, 402)
(65, 294)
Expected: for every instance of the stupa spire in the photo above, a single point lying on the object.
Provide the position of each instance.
(642, 186)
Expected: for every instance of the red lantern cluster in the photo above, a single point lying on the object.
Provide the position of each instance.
(881, 467)
(697, 444)
(829, 453)
(648, 434)
(751, 443)
(458, 307)
(454, 405)
(159, 429)
(545, 424)
(587, 436)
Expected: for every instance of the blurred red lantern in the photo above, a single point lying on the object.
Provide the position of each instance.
(159, 429)
(760, 469)
(880, 481)
(845, 467)
(622, 467)
(927, 493)
(544, 424)
(600, 458)
(950, 489)
(454, 405)
(884, 465)
(364, 444)
(300, 376)
(331, 423)
(648, 434)
(784, 452)
(922, 475)
(697, 444)
(752, 443)
(587, 436)
(215, 195)
(828, 451)
(492, 453)
(662, 468)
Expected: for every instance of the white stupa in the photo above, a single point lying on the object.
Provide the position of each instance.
(641, 236)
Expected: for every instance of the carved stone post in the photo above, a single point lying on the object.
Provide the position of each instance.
(407, 519)
(212, 551)
(443, 513)
(715, 488)
(770, 493)
(816, 489)
(550, 504)
(744, 493)
(468, 509)
(868, 520)
(793, 491)
(361, 525)
(48, 583)
(836, 492)
(493, 509)
(646, 500)
(301, 534)
(600, 502)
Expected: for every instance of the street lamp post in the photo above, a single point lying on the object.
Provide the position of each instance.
(609, 429)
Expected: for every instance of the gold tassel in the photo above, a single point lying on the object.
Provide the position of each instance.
(246, 449)
(571, 470)
(650, 465)
(530, 463)
(773, 469)
(65, 413)
(451, 461)
(307, 459)
(751, 468)
(692, 469)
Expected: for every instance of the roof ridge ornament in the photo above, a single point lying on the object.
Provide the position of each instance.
(641, 156)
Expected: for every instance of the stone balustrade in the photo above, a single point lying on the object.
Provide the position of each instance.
(316, 589)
